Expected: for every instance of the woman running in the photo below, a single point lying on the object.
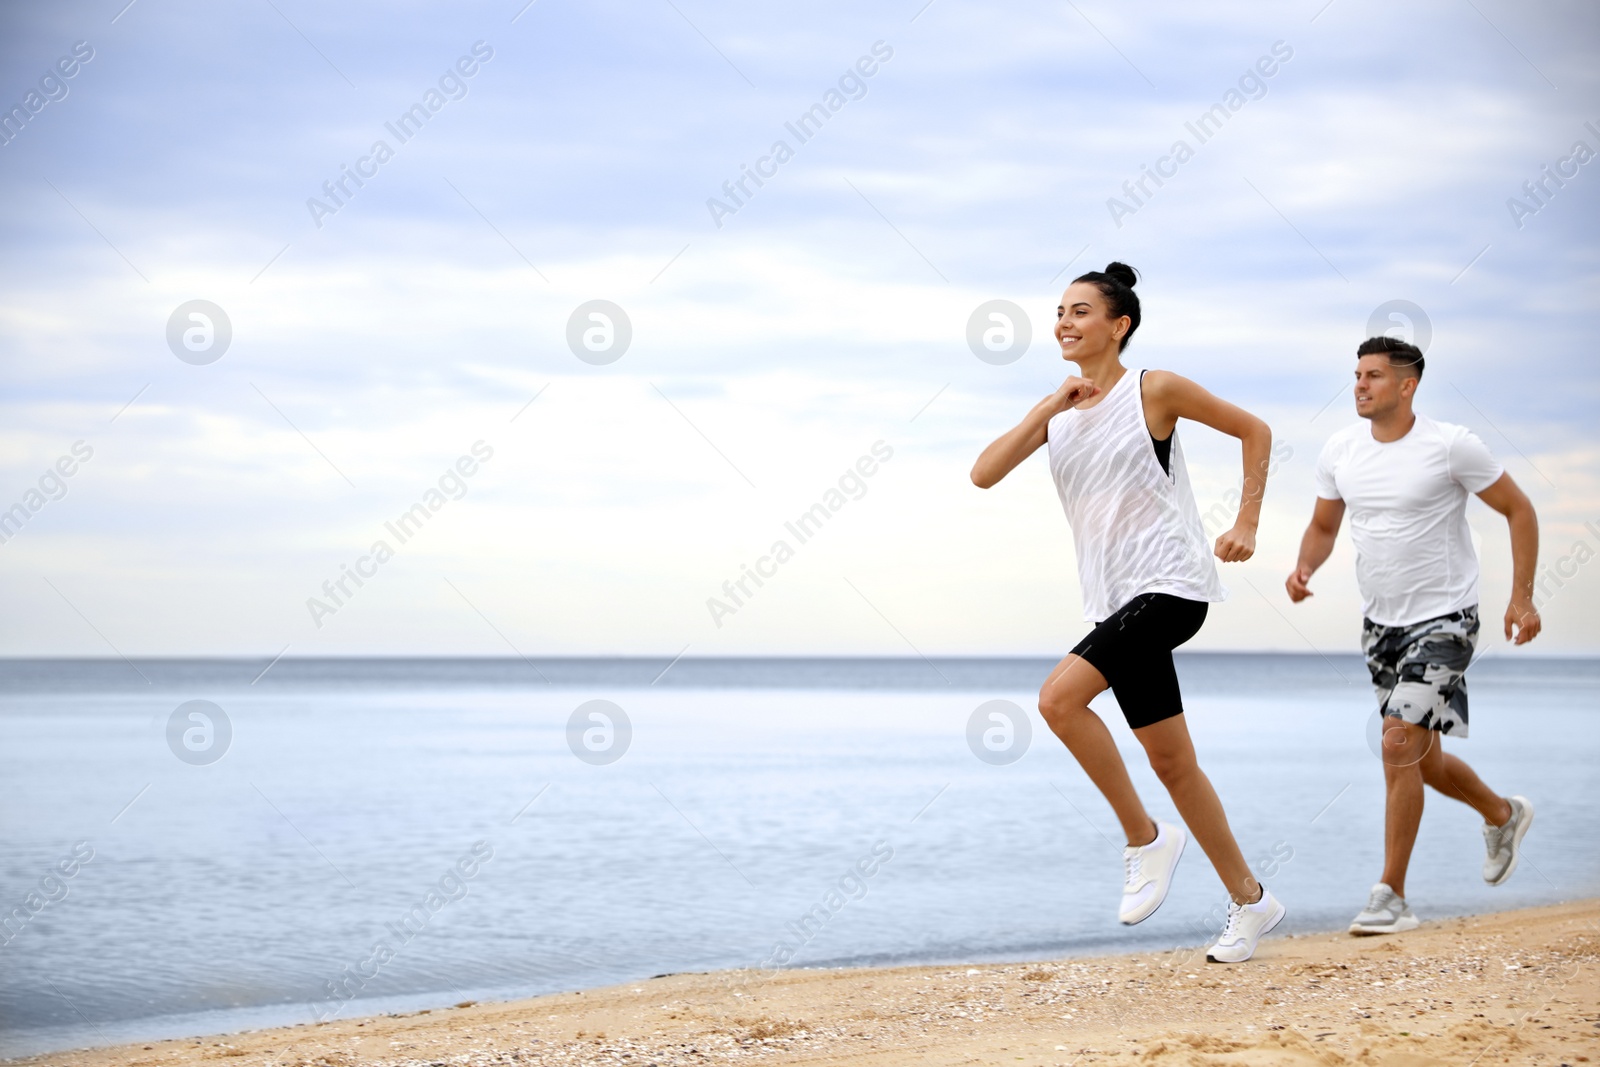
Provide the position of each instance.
(1147, 577)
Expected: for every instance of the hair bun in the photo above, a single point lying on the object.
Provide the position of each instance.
(1122, 273)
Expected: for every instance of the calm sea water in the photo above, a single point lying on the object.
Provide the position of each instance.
(836, 810)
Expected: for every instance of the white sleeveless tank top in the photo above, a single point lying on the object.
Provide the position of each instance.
(1136, 527)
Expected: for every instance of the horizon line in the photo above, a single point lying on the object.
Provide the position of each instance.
(656, 657)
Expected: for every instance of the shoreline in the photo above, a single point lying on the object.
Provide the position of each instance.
(1503, 987)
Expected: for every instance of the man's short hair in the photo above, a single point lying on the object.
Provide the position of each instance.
(1407, 357)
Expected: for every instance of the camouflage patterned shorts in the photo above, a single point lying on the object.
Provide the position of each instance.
(1419, 671)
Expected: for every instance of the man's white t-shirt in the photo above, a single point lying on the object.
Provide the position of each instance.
(1407, 502)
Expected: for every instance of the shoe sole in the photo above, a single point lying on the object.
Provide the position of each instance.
(1516, 841)
(1265, 930)
(1183, 843)
(1393, 928)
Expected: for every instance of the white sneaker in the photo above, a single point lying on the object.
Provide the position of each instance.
(1503, 843)
(1385, 913)
(1247, 924)
(1147, 873)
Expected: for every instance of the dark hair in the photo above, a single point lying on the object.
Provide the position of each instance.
(1402, 355)
(1116, 284)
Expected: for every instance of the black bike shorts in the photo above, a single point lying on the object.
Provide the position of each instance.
(1133, 650)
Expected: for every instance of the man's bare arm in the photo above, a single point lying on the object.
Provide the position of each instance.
(1506, 497)
(1315, 547)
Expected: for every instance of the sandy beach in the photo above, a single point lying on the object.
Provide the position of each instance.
(1520, 987)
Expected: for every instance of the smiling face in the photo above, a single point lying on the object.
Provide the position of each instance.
(1382, 388)
(1084, 326)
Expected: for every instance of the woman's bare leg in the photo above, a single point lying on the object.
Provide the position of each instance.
(1172, 757)
(1064, 703)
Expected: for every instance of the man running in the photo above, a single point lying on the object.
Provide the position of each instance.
(1405, 479)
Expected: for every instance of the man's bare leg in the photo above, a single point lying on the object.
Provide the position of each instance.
(1405, 748)
(1451, 776)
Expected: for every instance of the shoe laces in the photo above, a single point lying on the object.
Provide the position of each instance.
(1235, 914)
(1381, 897)
(1132, 867)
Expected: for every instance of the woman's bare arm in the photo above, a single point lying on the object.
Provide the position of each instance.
(1170, 397)
(1023, 439)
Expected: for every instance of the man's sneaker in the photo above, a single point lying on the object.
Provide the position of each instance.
(1247, 924)
(1147, 873)
(1385, 913)
(1503, 843)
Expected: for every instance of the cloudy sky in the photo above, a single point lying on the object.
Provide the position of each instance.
(565, 153)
